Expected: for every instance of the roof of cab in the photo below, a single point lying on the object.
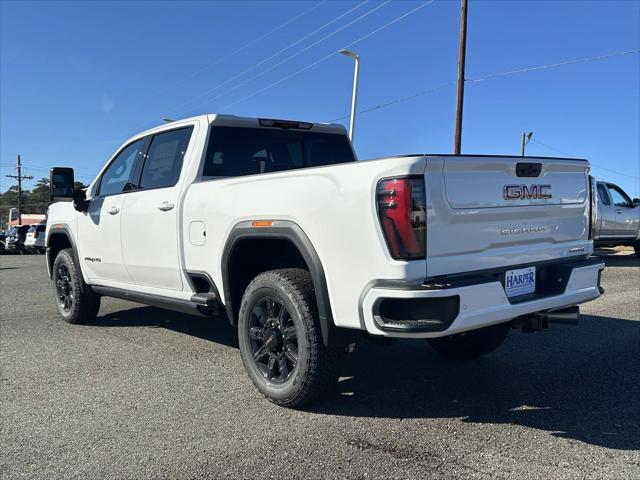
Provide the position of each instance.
(235, 121)
(246, 122)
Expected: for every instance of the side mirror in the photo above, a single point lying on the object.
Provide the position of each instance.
(61, 183)
(636, 202)
(80, 202)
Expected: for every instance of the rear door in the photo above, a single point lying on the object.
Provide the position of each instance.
(150, 245)
(606, 212)
(491, 212)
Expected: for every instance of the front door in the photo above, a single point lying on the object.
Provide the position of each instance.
(99, 228)
(626, 216)
(150, 241)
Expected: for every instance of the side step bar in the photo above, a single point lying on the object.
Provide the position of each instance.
(201, 307)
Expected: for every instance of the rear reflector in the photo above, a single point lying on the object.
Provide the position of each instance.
(262, 223)
(402, 214)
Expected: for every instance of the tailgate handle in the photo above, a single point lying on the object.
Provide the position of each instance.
(526, 169)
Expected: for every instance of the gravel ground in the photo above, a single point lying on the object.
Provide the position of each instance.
(145, 393)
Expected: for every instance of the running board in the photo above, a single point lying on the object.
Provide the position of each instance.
(206, 299)
(176, 304)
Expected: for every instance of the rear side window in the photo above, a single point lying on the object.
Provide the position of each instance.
(164, 160)
(602, 193)
(236, 151)
(117, 177)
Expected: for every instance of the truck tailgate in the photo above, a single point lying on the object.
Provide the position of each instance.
(493, 212)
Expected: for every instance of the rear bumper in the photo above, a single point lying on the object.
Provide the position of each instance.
(439, 310)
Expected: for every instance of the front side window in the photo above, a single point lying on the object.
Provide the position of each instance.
(117, 177)
(237, 151)
(602, 193)
(620, 199)
(164, 160)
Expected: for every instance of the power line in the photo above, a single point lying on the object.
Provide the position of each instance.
(486, 77)
(262, 62)
(595, 165)
(286, 59)
(313, 64)
(551, 65)
(252, 42)
(399, 100)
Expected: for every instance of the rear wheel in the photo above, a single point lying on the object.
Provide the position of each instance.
(281, 342)
(76, 302)
(468, 345)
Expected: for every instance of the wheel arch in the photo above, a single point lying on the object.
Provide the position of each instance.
(237, 265)
(58, 238)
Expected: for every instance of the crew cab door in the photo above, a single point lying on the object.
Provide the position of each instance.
(99, 227)
(606, 212)
(150, 240)
(623, 214)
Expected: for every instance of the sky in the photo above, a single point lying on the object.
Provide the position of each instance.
(78, 78)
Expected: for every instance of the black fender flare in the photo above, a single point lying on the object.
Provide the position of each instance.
(287, 230)
(64, 230)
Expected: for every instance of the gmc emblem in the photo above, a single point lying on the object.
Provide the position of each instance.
(524, 192)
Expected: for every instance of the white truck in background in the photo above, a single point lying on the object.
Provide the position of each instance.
(303, 248)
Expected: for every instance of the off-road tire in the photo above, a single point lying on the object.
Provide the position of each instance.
(316, 371)
(84, 304)
(468, 345)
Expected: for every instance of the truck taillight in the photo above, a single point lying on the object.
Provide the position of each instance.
(402, 213)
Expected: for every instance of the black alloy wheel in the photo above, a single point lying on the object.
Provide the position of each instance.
(64, 288)
(274, 340)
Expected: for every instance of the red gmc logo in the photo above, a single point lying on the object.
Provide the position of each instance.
(524, 192)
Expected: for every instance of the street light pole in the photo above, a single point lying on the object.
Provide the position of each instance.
(524, 140)
(354, 95)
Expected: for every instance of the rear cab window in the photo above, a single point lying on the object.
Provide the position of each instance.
(239, 151)
(602, 193)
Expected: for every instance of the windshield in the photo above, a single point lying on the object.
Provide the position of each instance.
(237, 151)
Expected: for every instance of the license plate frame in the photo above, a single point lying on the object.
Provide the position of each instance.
(521, 281)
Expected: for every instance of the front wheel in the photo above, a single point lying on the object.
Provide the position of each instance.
(468, 345)
(76, 302)
(281, 342)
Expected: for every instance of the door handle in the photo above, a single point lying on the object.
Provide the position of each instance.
(113, 210)
(165, 206)
(618, 210)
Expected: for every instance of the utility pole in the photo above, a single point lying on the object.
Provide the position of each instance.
(461, 59)
(18, 176)
(524, 140)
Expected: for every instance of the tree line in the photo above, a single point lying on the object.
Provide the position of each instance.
(33, 201)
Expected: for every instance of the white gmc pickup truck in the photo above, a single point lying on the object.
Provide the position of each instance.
(275, 225)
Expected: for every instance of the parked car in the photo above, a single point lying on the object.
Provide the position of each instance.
(306, 249)
(617, 219)
(34, 242)
(15, 239)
